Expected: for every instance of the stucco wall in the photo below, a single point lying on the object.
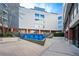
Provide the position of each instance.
(27, 20)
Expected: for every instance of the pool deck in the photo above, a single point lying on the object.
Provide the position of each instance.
(56, 46)
(20, 48)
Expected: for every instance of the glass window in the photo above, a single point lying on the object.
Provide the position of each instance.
(59, 22)
(60, 27)
(39, 9)
(42, 16)
(36, 15)
(74, 12)
(4, 5)
(36, 19)
(75, 9)
(78, 7)
(39, 16)
(60, 17)
(71, 17)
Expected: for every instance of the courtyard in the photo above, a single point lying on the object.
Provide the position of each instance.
(56, 46)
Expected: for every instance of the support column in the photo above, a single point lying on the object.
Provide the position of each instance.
(50, 31)
(39, 31)
(14, 30)
(27, 31)
(70, 35)
(11, 29)
(66, 35)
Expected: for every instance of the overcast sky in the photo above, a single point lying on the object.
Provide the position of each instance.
(49, 7)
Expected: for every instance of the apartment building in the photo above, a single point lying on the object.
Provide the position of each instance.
(9, 16)
(71, 22)
(3, 17)
(60, 22)
(13, 16)
(36, 20)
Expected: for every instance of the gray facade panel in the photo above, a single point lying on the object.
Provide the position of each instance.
(13, 9)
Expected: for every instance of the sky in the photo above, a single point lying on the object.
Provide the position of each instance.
(49, 7)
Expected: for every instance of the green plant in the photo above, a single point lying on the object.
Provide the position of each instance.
(0, 34)
(58, 34)
(8, 34)
(17, 34)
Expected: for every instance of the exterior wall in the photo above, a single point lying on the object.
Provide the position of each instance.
(27, 20)
(9, 16)
(3, 15)
(0, 15)
(71, 23)
(13, 15)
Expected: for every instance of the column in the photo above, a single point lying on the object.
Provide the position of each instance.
(39, 31)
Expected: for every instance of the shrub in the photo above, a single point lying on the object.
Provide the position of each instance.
(58, 34)
(17, 34)
(8, 34)
(0, 34)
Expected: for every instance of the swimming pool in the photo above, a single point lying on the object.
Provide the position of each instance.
(33, 36)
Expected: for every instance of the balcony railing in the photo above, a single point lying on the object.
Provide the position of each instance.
(5, 17)
(5, 11)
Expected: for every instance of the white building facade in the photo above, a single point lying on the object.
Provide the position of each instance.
(36, 19)
(60, 22)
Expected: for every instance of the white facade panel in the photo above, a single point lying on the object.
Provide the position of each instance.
(27, 20)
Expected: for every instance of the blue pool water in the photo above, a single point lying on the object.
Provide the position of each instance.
(33, 36)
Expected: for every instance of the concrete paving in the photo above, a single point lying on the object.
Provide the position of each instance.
(56, 46)
(20, 48)
(60, 47)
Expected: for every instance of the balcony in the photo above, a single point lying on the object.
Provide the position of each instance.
(5, 17)
(5, 11)
(4, 5)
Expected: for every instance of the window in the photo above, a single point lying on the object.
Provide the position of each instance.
(60, 17)
(4, 5)
(36, 15)
(60, 27)
(36, 19)
(39, 16)
(59, 22)
(42, 16)
(39, 9)
(72, 16)
(78, 7)
(75, 9)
